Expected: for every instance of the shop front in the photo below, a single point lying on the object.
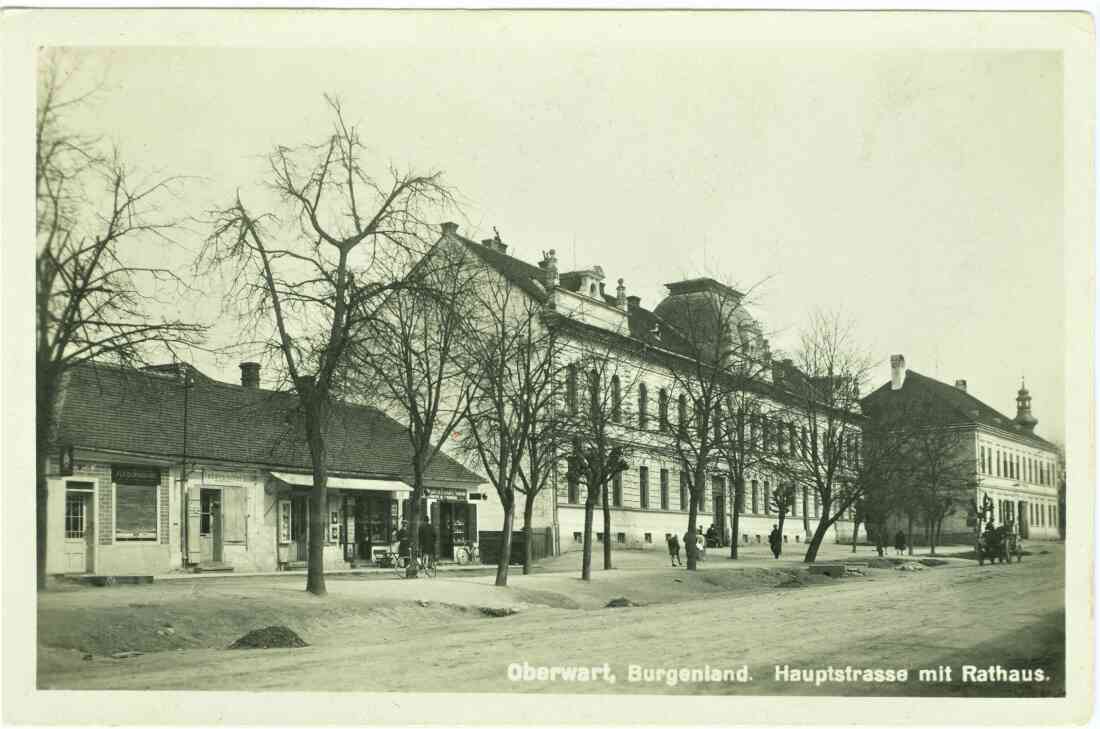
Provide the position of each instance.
(364, 515)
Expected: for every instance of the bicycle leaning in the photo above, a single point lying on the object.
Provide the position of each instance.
(426, 564)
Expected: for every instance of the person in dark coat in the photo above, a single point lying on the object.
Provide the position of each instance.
(427, 542)
(899, 542)
(673, 550)
(775, 541)
(403, 540)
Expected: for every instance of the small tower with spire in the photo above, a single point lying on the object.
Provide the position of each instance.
(1024, 418)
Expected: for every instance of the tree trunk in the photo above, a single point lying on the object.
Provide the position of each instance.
(782, 518)
(735, 515)
(528, 515)
(46, 397)
(318, 516)
(910, 544)
(586, 556)
(823, 524)
(692, 553)
(806, 513)
(506, 543)
(606, 531)
(855, 534)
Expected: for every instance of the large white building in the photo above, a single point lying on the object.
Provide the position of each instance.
(650, 498)
(1010, 464)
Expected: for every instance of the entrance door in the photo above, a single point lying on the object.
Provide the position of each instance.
(299, 526)
(210, 525)
(1022, 519)
(78, 531)
(718, 490)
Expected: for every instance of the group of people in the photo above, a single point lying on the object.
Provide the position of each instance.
(425, 538)
(673, 543)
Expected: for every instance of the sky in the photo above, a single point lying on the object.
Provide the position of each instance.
(917, 192)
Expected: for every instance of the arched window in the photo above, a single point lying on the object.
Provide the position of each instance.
(755, 497)
(594, 392)
(681, 413)
(662, 409)
(754, 430)
(643, 406)
(616, 399)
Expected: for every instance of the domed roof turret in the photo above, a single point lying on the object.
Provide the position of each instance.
(706, 316)
(1024, 418)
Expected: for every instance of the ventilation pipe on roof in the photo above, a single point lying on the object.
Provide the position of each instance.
(961, 384)
(897, 371)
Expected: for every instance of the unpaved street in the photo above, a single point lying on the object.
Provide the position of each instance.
(430, 635)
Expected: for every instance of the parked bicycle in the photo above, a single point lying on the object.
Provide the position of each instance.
(467, 554)
(426, 564)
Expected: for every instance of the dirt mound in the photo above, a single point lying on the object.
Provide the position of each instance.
(498, 612)
(273, 636)
(932, 562)
(883, 563)
(910, 566)
(618, 602)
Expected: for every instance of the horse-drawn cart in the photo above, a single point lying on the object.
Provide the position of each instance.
(998, 544)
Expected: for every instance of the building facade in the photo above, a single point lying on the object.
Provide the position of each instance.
(650, 498)
(164, 470)
(1012, 469)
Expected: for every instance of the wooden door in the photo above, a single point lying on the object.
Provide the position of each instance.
(78, 532)
(299, 526)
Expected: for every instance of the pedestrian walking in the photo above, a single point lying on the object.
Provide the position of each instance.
(426, 540)
(673, 550)
(899, 542)
(775, 540)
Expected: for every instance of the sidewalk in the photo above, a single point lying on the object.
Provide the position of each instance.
(367, 571)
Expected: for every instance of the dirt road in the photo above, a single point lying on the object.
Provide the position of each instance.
(953, 615)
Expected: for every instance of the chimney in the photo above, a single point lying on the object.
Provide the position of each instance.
(502, 247)
(449, 228)
(633, 302)
(897, 371)
(250, 374)
(961, 384)
(620, 295)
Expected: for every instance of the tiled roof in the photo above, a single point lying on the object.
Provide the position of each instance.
(109, 408)
(956, 406)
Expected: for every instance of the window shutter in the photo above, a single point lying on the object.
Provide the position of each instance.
(471, 523)
(234, 514)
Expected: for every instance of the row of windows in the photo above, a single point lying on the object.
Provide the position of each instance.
(647, 537)
(995, 462)
(759, 497)
(1039, 515)
(763, 432)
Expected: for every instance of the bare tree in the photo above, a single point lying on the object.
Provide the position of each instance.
(784, 496)
(716, 387)
(411, 352)
(93, 300)
(822, 395)
(510, 420)
(308, 283)
(596, 453)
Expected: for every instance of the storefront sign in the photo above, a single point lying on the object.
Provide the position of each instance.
(447, 494)
(136, 475)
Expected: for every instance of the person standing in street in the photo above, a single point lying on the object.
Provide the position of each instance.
(673, 550)
(899, 542)
(775, 541)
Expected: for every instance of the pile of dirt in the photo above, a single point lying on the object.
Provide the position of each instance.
(273, 636)
(617, 602)
(932, 562)
(910, 567)
(883, 563)
(498, 612)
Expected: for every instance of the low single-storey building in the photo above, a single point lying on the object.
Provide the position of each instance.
(164, 469)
